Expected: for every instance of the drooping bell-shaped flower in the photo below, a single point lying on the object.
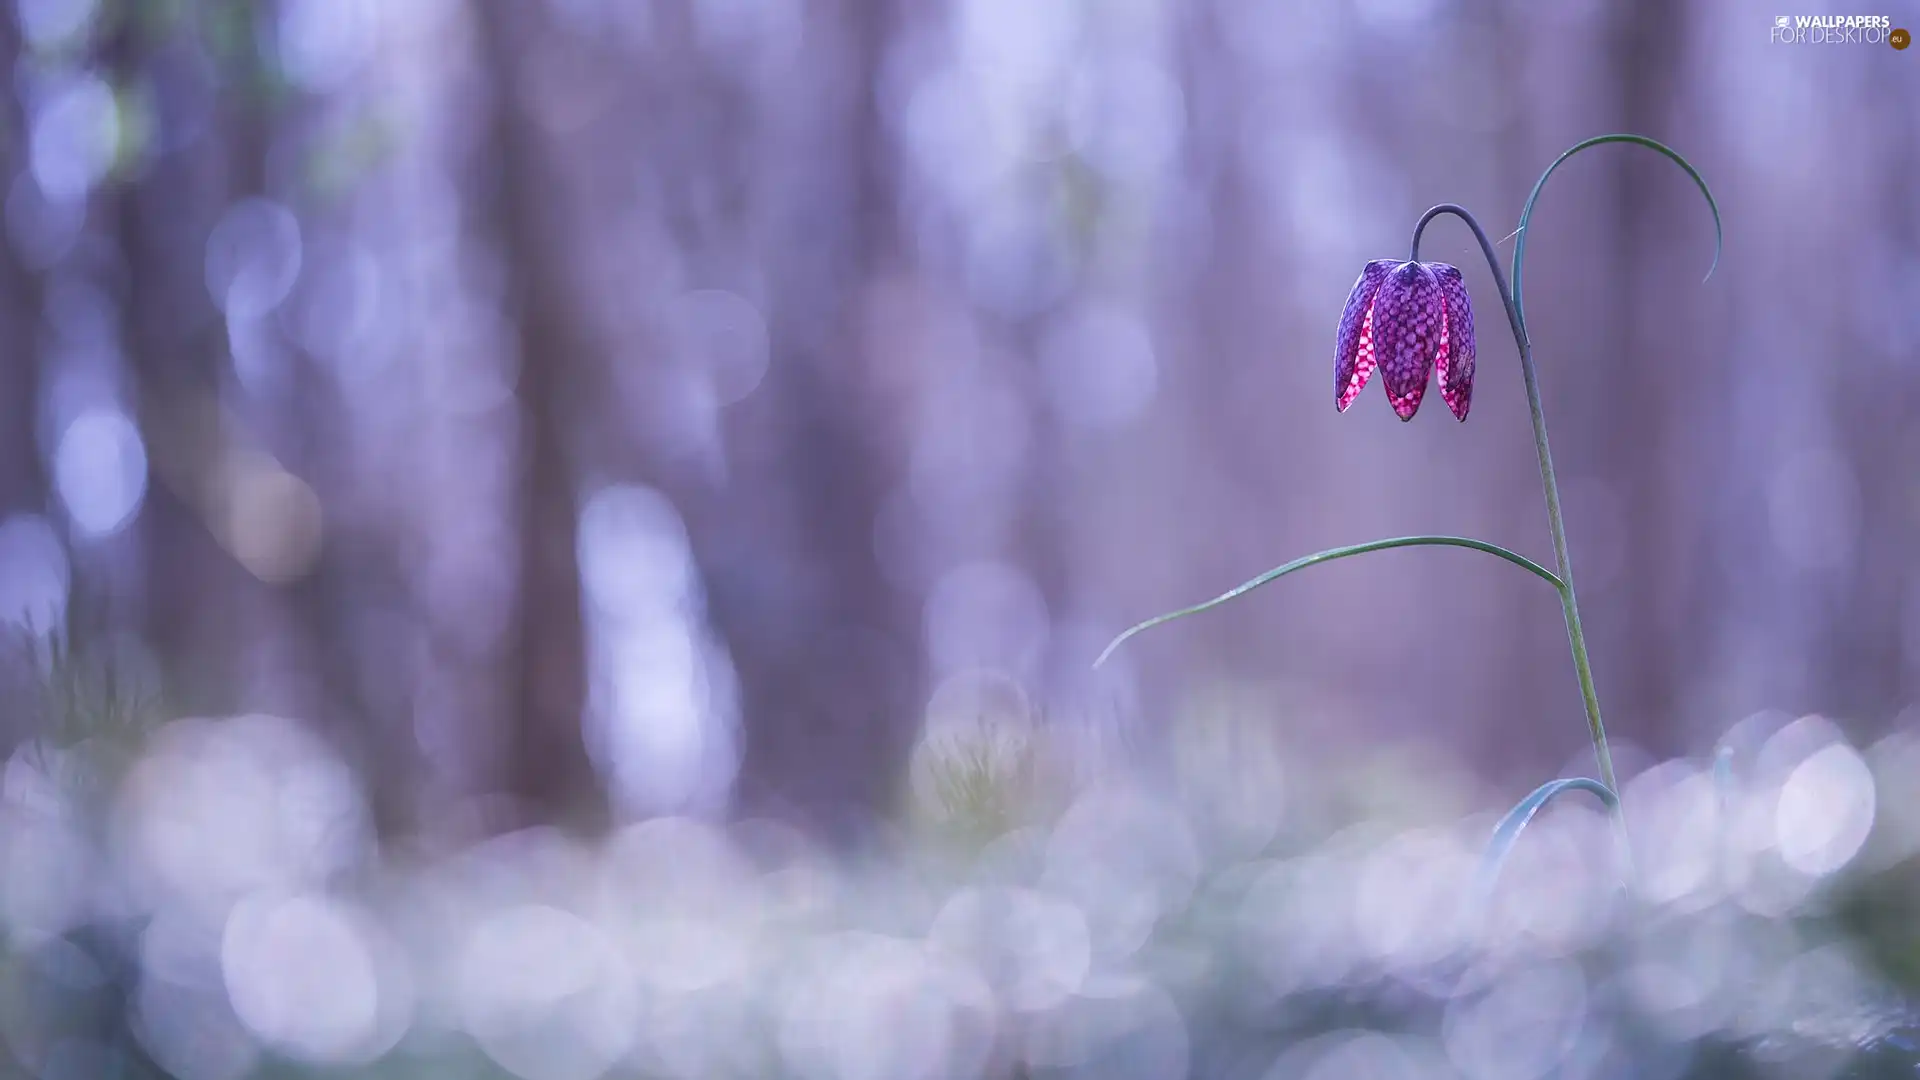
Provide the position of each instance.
(1406, 318)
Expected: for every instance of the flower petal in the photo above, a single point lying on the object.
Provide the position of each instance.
(1455, 362)
(1353, 359)
(1408, 320)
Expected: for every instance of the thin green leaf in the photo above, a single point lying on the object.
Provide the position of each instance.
(1526, 214)
(1328, 556)
(1507, 833)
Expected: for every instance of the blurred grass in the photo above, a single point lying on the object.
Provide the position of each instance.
(982, 782)
(1249, 859)
(75, 689)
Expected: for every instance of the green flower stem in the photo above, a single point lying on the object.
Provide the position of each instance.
(1569, 602)
(1328, 556)
(1516, 318)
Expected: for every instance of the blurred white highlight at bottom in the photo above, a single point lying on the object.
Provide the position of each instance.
(546, 994)
(311, 979)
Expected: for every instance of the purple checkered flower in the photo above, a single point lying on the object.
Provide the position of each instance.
(1406, 318)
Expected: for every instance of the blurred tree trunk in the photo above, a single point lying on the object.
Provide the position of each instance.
(172, 334)
(1647, 444)
(830, 683)
(1548, 687)
(1870, 658)
(311, 618)
(23, 485)
(547, 759)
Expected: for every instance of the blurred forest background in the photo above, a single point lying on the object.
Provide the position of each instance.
(582, 410)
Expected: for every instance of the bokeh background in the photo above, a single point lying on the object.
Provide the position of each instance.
(665, 401)
(579, 412)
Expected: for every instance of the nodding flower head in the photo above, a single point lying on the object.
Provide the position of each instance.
(1406, 318)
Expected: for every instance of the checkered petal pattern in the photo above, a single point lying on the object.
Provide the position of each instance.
(1455, 361)
(1406, 319)
(1353, 358)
